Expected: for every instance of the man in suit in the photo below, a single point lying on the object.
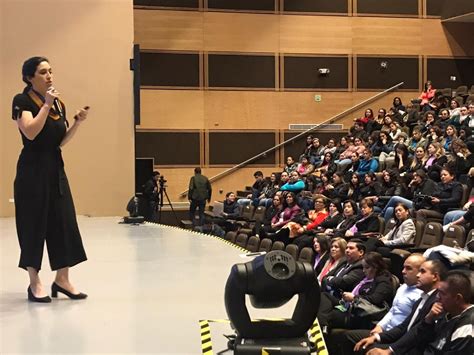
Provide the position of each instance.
(341, 279)
(406, 338)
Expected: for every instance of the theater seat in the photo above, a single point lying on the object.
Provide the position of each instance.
(455, 234)
(230, 236)
(307, 255)
(241, 240)
(265, 245)
(278, 245)
(293, 250)
(253, 243)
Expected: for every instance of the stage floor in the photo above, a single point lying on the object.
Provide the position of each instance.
(148, 287)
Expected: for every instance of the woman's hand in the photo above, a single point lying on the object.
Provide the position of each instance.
(348, 296)
(81, 115)
(435, 200)
(51, 94)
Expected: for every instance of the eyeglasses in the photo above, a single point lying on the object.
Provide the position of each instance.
(319, 201)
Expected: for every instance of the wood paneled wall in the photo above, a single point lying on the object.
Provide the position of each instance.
(237, 32)
(287, 31)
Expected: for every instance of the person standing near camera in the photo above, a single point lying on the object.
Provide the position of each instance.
(199, 191)
(151, 194)
(44, 209)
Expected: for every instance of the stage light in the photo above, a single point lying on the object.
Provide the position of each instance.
(271, 280)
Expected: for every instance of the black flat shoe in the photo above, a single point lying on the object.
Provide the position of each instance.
(55, 288)
(33, 298)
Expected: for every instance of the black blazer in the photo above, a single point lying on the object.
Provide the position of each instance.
(401, 339)
(379, 291)
(345, 280)
(370, 224)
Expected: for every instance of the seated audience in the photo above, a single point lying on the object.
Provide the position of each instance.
(419, 187)
(405, 298)
(289, 211)
(350, 212)
(398, 339)
(294, 184)
(375, 287)
(367, 225)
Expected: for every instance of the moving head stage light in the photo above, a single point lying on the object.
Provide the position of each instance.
(271, 281)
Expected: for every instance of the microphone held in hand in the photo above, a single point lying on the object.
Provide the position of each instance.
(58, 107)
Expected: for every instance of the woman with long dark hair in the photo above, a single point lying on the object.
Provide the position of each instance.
(44, 208)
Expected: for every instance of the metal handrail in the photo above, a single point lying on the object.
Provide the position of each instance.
(328, 121)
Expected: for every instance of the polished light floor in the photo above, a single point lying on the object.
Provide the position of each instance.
(148, 287)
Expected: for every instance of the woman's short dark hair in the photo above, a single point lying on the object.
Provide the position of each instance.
(405, 207)
(367, 202)
(324, 243)
(29, 68)
(353, 204)
(375, 260)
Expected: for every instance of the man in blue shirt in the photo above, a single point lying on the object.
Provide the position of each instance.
(406, 296)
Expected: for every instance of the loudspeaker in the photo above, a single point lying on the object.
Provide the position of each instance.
(143, 172)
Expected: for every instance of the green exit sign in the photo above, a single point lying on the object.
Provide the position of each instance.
(317, 98)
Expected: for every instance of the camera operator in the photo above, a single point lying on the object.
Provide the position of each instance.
(151, 194)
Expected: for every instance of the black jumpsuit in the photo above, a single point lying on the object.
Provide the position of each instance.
(43, 202)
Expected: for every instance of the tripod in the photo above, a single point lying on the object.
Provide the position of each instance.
(159, 206)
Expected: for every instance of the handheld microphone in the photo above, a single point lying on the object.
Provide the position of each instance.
(58, 107)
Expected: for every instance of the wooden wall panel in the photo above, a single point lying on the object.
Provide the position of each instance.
(187, 109)
(241, 71)
(434, 7)
(260, 5)
(190, 4)
(386, 36)
(333, 6)
(322, 35)
(370, 74)
(230, 148)
(172, 109)
(170, 69)
(233, 31)
(208, 31)
(302, 72)
(175, 30)
(169, 148)
(398, 7)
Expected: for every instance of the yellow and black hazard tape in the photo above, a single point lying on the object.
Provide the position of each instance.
(316, 337)
(315, 334)
(206, 343)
